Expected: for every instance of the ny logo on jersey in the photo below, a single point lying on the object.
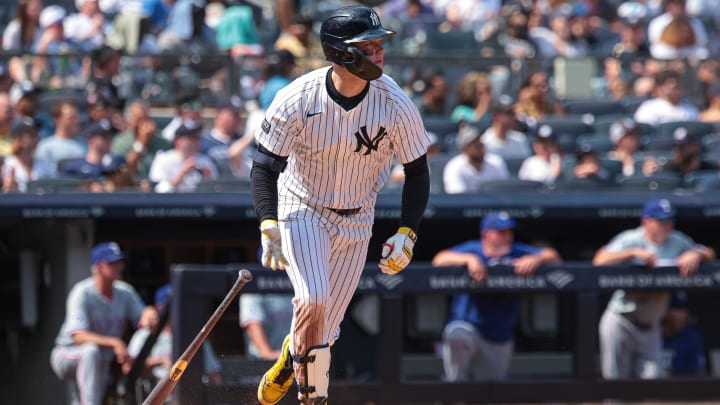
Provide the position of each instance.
(363, 139)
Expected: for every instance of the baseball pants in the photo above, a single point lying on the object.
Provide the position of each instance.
(85, 365)
(467, 355)
(326, 254)
(626, 351)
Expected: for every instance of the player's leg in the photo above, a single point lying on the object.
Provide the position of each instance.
(459, 345)
(85, 365)
(616, 354)
(495, 360)
(650, 353)
(307, 249)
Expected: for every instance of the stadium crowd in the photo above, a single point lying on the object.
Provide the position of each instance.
(94, 79)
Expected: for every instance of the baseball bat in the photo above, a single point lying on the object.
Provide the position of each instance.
(163, 389)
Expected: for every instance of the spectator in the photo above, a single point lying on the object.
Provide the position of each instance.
(501, 138)
(237, 33)
(683, 344)
(479, 337)
(21, 166)
(63, 144)
(473, 166)
(90, 339)
(23, 30)
(160, 359)
(630, 330)
(666, 106)
(187, 109)
(99, 137)
(115, 176)
(225, 143)
(104, 103)
(625, 136)
(515, 37)
(433, 100)
(24, 97)
(279, 72)
(712, 112)
(186, 30)
(546, 165)
(474, 95)
(87, 27)
(6, 123)
(557, 40)
(588, 165)
(397, 175)
(674, 35)
(106, 68)
(140, 142)
(297, 40)
(183, 167)
(633, 39)
(534, 102)
(472, 15)
(686, 155)
(264, 319)
(52, 70)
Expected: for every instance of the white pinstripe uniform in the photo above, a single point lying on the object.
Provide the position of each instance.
(337, 159)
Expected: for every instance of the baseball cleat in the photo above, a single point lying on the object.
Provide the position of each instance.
(276, 382)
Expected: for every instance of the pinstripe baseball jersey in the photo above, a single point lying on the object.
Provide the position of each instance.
(338, 158)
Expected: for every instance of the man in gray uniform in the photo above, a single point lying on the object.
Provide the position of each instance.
(630, 333)
(97, 310)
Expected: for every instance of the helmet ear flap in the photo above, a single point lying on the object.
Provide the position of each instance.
(361, 66)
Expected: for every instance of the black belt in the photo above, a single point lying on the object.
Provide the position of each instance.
(345, 212)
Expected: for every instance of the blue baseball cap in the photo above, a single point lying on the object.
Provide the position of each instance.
(106, 252)
(658, 209)
(495, 221)
(162, 294)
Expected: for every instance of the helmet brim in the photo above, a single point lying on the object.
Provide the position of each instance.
(370, 35)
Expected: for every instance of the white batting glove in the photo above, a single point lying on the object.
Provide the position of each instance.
(271, 241)
(397, 251)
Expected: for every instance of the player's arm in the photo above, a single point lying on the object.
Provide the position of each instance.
(116, 344)
(256, 334)
(264, 174)
(397, 250)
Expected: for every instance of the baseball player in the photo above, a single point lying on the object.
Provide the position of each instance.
(630, 332)
(325, 150)
(98, 308)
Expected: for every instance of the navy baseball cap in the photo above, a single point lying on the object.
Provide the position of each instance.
(496, 221)
(106, 252)
(162, 294)
(679, 299)
(658, 209)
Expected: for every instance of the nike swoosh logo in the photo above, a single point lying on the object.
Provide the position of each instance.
(314, 114)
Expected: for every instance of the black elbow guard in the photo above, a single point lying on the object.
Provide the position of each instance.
(271, 161)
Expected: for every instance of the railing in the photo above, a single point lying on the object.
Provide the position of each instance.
(196, 283)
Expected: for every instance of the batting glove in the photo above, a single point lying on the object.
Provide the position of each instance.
(271, 241)
(398, 251)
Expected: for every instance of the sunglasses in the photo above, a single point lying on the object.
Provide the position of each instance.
(194, 106)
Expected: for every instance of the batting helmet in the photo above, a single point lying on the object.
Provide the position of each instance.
(345, 27)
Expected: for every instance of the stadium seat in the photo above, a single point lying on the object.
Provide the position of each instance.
(701, 179)
(569, 124)
(455, 42)
(700, 128)
(513, 185)
(54, 185)
(657, 143)
(436, 166)
(632, 103)
(598, 142)
(595, 107)
(661, 181)
(440, 125)
(513, 165)
(575, 183)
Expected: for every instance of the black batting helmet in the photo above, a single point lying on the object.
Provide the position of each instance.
(345, 27)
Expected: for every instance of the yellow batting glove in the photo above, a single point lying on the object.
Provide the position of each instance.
(398, 251)
(271, 242)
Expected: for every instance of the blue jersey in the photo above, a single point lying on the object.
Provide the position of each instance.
(687, 351)
(494, 315)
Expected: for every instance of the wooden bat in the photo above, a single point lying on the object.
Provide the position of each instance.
(163, 389)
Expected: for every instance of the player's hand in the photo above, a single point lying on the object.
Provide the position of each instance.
(121, 353)
(271, 241)
(397, 251)
(149, 318)
(644, 257)
(689, 262)
(526, 265)
(476, 268)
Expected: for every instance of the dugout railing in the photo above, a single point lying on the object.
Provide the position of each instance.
(197, 283)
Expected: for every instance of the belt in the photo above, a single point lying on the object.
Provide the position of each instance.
(345, 212)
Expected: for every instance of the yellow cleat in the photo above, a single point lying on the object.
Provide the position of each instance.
(276, 382)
